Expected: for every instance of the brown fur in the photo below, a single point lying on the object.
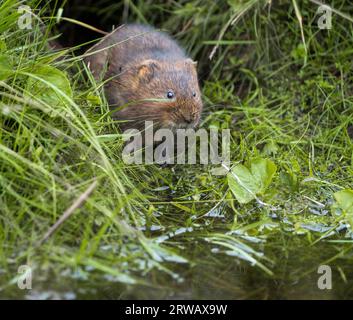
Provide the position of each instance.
(139, 66)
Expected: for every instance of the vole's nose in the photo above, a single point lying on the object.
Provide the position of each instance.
(189, 119)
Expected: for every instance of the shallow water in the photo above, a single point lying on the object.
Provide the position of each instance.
(216, 276)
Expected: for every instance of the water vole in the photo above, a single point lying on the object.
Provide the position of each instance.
(148, 77)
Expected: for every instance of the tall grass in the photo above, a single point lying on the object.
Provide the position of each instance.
(53, 145)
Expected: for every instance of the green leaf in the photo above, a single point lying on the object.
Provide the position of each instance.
(5, 67)
(270, 148)
(263, 170)
(344, 200)
(242, 184)
(2, 46)
(247, 183)
(43, 89)
(94, 99)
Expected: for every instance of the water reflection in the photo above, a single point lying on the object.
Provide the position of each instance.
(215, 276)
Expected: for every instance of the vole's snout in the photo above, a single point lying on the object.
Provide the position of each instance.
(189, 119)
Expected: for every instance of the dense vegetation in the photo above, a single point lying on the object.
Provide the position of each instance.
(282, 85)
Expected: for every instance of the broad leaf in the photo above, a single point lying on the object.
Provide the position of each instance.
(344, 200)
(5, 67)
(263, 171)
(52, 87)
(246, 183)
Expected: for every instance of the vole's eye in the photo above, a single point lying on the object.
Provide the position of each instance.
(194, 94)
(170, 94)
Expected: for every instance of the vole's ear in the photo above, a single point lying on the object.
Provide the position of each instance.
(146, 70)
